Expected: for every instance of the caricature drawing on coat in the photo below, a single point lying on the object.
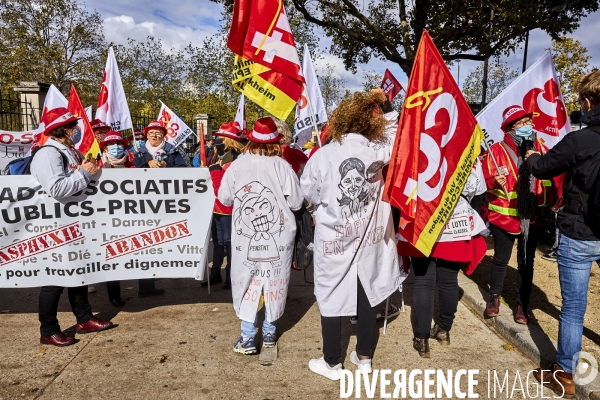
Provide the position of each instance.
(356, 187)
(259, 212)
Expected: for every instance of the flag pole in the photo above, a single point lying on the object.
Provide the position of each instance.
(312, 116)
(487, 147)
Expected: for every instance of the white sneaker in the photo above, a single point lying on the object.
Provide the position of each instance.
(320, 366)
(91, 289)
(363, 365)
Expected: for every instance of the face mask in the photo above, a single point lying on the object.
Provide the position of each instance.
(115, 150)
(524, 131)
(140, 143)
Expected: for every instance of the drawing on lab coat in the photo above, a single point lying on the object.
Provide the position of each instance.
(356, 187)
(260, 219)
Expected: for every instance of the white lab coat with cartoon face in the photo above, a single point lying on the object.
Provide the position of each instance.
(263, 191)
(354, 233)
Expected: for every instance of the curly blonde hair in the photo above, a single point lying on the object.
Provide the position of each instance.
(284, 129)
(363, 114)
(233, 144)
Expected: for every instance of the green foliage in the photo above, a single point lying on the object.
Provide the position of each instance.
(461, 29)
(51, 41)
(500, 75)
(571, 61)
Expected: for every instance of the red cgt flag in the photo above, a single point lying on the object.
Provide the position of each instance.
(437, 143)
(390, 85)
(260, 32)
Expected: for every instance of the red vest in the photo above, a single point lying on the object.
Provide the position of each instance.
(502, 209)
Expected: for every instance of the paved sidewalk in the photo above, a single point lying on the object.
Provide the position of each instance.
(178, 346)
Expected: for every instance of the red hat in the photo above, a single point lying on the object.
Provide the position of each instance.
(98, 124)
(112, 136)
(229, 130)
(296, 158)
(512, 114)
(264, 131)
(155, 125)
(56, 118)
(136, 131)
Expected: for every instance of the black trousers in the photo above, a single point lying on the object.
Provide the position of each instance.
(48, 307)
(114, 287)
(428, 271)
(365, 330)
(503, 245)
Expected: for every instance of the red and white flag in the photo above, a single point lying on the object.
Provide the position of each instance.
(390, 85)
(537, 91)
(311, 97)
(177, 130)
(240, 115)
(260, 32)
(84, 138)
(112, 103)
(54, 99)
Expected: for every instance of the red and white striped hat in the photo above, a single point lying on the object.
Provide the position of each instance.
(512, 114)
(98, 124)
(265, 131)
(56, 118)
(112, 136)
(229, 130)
(155, 125)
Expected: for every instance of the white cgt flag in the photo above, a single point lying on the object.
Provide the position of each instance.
(537, 91)
(112, 104)
(303, 121)
(54, 99)
(177, 130)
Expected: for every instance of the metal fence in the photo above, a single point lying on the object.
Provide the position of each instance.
(16, 115)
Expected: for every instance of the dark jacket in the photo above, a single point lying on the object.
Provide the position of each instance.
(175, 158)
(577, 154)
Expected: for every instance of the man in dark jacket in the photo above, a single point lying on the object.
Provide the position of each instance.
(577, 154)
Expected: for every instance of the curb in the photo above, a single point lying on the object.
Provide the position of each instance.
(529, 339)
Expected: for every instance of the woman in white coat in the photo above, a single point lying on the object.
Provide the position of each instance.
(263, 189)
(356, 263)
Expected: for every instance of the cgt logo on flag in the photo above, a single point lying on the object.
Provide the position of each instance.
(436, 147)
(390, 85)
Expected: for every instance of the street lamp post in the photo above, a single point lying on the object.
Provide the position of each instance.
(558, 8)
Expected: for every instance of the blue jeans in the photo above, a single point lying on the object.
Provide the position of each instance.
(249, 328)
(575, 258)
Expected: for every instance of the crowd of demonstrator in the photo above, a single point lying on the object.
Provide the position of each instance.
(263, 182)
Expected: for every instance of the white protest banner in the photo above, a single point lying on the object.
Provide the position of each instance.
(240, 115)
(312, 93)
(537, 91)
(177, 130)
(127, 224)
(14, 145)
(112, 103)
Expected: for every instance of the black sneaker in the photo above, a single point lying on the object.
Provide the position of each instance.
(550, 256)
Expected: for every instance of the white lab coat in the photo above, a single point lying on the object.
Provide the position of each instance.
(263, 191)
(58, 180)
(354, 233)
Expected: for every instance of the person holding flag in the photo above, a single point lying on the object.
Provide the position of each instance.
(63, 171)
(169, 156)
(460, 242)
(518, 208)
(355, 258)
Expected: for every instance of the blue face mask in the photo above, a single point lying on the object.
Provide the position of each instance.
(524, 131)
(116, 150)
(140, 143)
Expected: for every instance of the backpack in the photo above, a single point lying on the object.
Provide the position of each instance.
(305, 233)
(22, 166)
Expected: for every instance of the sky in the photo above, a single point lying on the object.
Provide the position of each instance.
(179, 22)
